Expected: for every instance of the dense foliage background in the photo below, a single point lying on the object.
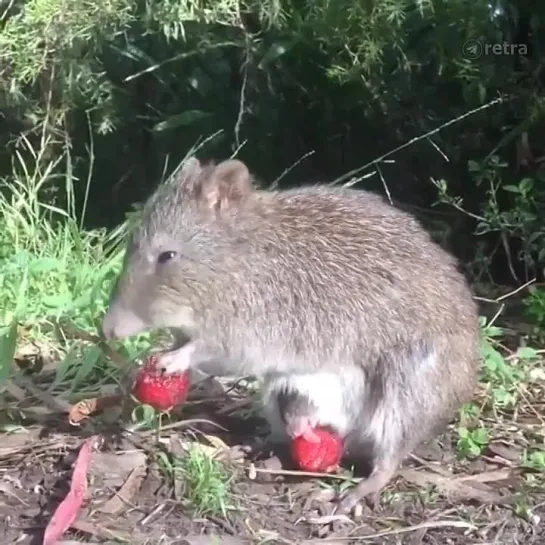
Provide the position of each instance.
(114, 93)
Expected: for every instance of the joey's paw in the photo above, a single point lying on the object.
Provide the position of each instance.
(172, 362)
(302, 426)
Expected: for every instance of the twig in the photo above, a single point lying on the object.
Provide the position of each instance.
(418, 138)
(456, 206)
(307, 474)
(399, 531)
(506, 295)
(290, 168)
(507, 249)
(384, 184)
(499, 311)
(439, 150)
(49, 400)
(181, 56)
(115, 356)
(242, 101)
(183, 424)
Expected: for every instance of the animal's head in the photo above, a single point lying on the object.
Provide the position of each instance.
(181, 242)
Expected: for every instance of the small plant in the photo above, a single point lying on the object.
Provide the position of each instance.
(501, 376)
(472, 443)
(534, 460)
(204, 480)
(534, 305)
(511, 212)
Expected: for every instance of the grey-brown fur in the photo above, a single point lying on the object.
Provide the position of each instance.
(312, 282)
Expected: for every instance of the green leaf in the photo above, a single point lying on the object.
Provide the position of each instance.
(526, 185)
(511, 188)
(8, 345)
(473, 166)
(463, 432)
(91, 359)
(181, 120)
(63, 367)
(526, 353)
(275, 51)
(56, 301)
(492, 358)
(493, 331)
(45, 265)
(480, 436)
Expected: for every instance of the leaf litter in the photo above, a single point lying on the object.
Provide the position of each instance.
(131, 490)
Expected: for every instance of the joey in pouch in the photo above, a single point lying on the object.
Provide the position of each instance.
(331, 293)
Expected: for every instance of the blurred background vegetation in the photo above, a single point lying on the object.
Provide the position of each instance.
(113, 94)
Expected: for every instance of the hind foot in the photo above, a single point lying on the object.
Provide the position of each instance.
(368, 489)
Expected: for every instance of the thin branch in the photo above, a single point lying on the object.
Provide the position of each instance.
(242, 102)
(290, 168)
(418, 138)
(507, 295)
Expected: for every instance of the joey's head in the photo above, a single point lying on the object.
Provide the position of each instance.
(184, 240)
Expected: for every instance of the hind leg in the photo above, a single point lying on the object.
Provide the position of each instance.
(369, 488)
(383, 443)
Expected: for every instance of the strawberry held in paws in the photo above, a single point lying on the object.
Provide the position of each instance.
(317, 449)
(161, 391)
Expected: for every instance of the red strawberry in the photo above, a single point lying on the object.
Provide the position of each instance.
(160, 391)
(320, 450)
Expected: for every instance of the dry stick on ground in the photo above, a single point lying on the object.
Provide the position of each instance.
(183, 424)
(396, 532)
(304, 474)
(49, 400)
(78, 333)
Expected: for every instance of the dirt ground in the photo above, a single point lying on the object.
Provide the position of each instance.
(435, 498)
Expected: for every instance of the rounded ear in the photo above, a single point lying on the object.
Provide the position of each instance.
(189, 173)
(227, 185)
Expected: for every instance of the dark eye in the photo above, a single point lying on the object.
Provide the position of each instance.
(165, 256)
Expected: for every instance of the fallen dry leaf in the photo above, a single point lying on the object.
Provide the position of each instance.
(216, 442)
(505, 451)
(117, 465)
(453, 488)
(119, 501)
(210, 451)
(485, 477)
(85, 408)
(102, 532)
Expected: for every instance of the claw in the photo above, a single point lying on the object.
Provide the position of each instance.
(302, 426)
(368, 489)
(347, 502)
(176, 361)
